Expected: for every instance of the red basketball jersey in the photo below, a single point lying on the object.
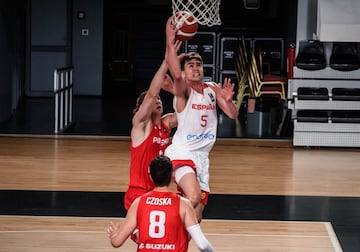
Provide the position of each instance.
(159, 223)
(141, 156)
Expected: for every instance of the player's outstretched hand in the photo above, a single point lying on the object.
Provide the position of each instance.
(228, 89)
(112, 229)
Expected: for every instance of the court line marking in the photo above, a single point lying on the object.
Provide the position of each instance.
(333, 237)
(122, 218)
(207, 233)
(330, 231)
(328, 226)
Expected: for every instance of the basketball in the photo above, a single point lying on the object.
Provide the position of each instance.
(188, 26)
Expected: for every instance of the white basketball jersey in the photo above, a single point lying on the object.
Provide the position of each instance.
(197, 123)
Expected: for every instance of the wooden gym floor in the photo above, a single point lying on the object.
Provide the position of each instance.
(60, 193)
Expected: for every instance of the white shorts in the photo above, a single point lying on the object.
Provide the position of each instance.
(201, 161)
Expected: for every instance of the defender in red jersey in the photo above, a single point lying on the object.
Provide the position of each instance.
(150, 134)
(164, 219)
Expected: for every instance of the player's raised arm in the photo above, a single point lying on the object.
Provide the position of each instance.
(172, 58)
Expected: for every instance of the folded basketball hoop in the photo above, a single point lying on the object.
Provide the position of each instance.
(205, 12)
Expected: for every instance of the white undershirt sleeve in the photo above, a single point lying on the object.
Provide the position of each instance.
(199, 238)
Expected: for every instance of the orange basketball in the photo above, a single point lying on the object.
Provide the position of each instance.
(188, 26)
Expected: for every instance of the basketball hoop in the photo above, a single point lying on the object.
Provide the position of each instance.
(205, 12)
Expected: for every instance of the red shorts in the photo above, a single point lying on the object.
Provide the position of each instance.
(179, 162)
(131, 194)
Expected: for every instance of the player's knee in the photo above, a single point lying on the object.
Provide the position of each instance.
(194, 198)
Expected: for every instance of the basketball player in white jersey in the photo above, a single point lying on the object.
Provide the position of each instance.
(195, 103)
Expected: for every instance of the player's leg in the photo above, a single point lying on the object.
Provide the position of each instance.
(186, 179)
(202, 172)
(199, 209)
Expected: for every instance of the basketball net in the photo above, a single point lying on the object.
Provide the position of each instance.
(205, 12)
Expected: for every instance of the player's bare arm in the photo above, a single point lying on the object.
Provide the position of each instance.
(170, 120)
(118, 233)
(142, 120)
(192, 226)
(180, 88)
(224, 95)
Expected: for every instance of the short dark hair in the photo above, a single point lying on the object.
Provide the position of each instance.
(161, 170)
(189, 56)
